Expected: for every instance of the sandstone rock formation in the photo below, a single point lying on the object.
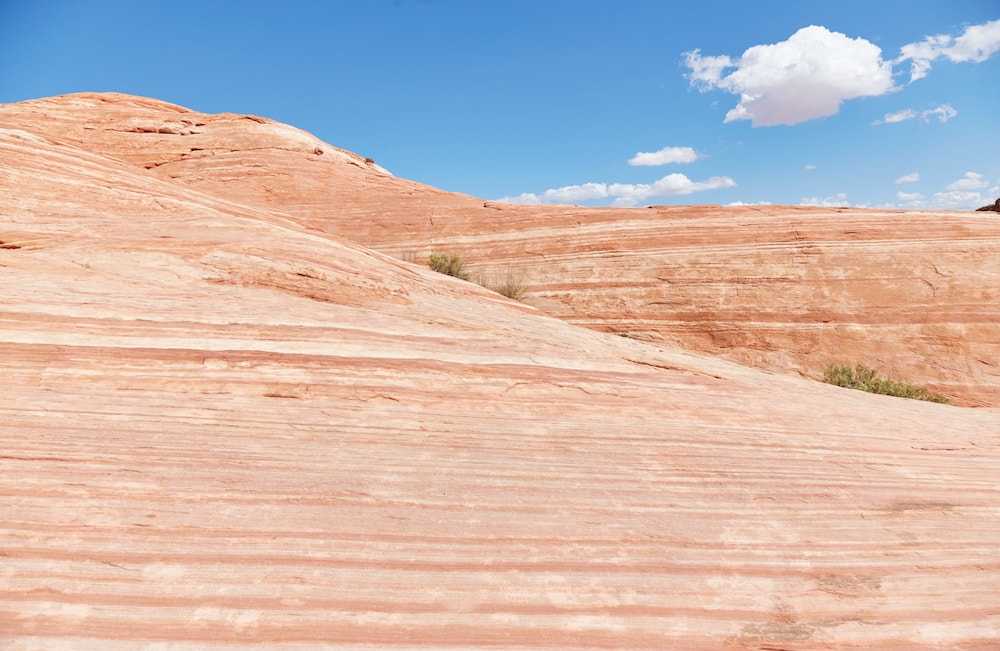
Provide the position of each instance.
(226, 425)
(784, 289)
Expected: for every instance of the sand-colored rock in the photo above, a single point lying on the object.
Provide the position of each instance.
(227, 427)
(785, 289)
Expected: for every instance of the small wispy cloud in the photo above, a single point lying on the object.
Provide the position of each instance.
(665, 156)
(976, 44)
(803, 78)
(565, 194)
(967, 193)
(909, 178)
(624, 194)
(957, 200)
(672, 185)
(943, 113)
(836, 201)
(971, 181)
(810, 167)
(898, 116)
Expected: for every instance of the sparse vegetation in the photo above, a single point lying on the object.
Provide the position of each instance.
(509, 283)
(450, 265)
(865, 378)
(369, 161)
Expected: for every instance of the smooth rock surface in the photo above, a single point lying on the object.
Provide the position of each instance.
(227, 427)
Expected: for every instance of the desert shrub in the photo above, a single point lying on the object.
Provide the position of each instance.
(450, 265)
(510, 283)
(865, 378)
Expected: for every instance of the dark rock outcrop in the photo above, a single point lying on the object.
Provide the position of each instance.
(995, 207)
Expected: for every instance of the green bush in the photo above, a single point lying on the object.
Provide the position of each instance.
(450, 265)
(865, 378)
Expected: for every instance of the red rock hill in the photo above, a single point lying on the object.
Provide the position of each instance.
(784, 289)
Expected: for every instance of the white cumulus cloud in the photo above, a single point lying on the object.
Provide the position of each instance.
(971, 181)
(803, 78)
(909, 196)
(665, 156)
(943, 113)
(909, 178)
(976, 44)
(624, 194)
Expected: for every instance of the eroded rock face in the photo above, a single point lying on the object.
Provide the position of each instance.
(222, 426)
(784, 289)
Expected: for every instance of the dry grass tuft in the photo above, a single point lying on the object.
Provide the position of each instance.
(510, 283)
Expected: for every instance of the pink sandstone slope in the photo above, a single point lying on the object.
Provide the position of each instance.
(785, 289)
(222, 428)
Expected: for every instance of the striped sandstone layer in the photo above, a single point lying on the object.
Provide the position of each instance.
(224, 428)
(784, 289)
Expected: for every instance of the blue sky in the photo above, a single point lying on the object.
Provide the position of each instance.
(881, 103)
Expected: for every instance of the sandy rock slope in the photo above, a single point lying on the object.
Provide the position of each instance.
(227, 424)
